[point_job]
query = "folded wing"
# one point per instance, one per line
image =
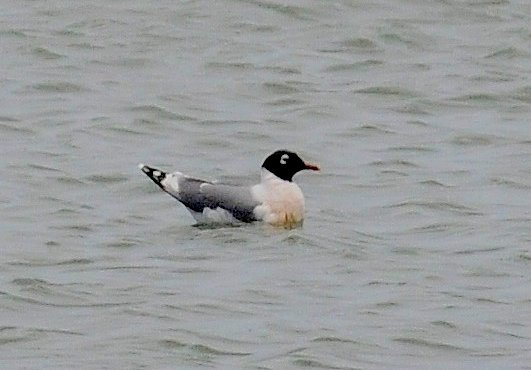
(197, 194)
(237, 200)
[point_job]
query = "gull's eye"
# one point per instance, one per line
(284, 158)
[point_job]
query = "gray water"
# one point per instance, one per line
(415, 251)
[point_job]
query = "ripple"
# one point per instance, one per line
(160, 112)
(54, 331)
(251, 136)
(282, 70)
(418, 109)
(507, 53)
(522, 94)
(312, 363)
(291, 11)
(440, 227)
(428, 343)
(70, 261)
(171, 344)
(69, 33)
(225, 122)
(42, 292)
(13, 334)
(123, 243)
(385, 283)
(469, 250)
(209, 350)
(485, 272)
(78, 228)
(334, 340)
(358, 43)
(507, 334)
(231, 65)
(524, 257)
(132, 62)
(394, 38)
(69, 180)
(145, 122)
(40, 302)
(348, 67)
(75, 261)
(386, 90)
(29, 282)
(394, 173)
(393, 163)
(366, 130)
(252, 27)
(285, 102)
(510, 183)
(387, 304)
(125, 268)
(121, 130)
(85, 46)
(413, 149)
(483, 98)
(44, 53)
(43, 168)
(59, 87)
(438, 206)
(280, 87)
(482, 3)
(15, 33)
(106, 178)
(444, 324)
(434, 183)
(4, 127)
(472, 140)
(297, 239)
(495, 76)
(491, 301)
(8, 119)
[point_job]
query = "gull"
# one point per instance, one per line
(276, 200)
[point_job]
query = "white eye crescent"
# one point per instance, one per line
(284, 158)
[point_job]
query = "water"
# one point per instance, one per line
(415, 249)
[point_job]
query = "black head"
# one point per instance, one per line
(286, 164)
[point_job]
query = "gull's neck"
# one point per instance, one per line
(268, 177)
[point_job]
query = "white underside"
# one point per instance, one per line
(214, 216)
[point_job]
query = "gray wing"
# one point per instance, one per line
(238, 200)
(197, 195)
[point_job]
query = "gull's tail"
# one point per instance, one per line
(154, 174)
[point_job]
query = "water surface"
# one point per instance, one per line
(415, 249)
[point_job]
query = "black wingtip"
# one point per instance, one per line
(154, 174)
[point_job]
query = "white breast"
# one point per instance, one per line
(282, 202)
